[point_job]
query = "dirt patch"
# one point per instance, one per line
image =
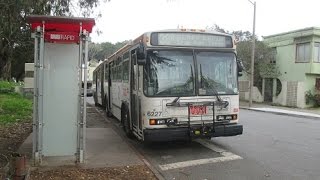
(11, 137)
(71, 173)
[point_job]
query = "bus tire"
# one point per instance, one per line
(108, 112)
(95, 99)
(126, 123)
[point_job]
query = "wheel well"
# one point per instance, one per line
(105, 101)
(123, 110)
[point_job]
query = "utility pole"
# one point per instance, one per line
(252, 52)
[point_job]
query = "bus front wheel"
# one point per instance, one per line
(126, 123)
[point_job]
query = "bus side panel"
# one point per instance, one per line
(116, 101)
(99, 100)
(94, 86)
(106, 84)
(125, 95)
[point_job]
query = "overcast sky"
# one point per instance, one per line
(126, 19)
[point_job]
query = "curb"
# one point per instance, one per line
(282, 113)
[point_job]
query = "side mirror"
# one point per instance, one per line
(240, 67)
(141, 57)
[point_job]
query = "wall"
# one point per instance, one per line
(28, 80)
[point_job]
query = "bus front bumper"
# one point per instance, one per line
(182, 133)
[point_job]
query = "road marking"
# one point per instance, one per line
(226, 156)
(198, 162)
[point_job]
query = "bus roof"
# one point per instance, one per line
(205, 31)
(99, 66)
(142, 38)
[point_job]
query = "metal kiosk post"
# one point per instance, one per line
(60, 61)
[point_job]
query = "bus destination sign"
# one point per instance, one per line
(190, 39)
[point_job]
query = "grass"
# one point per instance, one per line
(13, 106)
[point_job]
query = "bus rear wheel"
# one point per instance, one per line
(126, 123)
(108, 112)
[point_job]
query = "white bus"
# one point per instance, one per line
(173, 85)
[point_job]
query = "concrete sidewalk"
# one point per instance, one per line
(313, 113)
(104, 146)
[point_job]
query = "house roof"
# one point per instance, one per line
(297, 33)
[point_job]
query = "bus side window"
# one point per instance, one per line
(133, 63)
(106, 73)
(120, 72)
(113, 76)
(125, 67)
(125, 75)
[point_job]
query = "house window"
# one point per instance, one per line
(274, 55)
(316, 52)
(303, 52)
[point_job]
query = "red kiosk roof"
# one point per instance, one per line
(61, 29)
(61, 23)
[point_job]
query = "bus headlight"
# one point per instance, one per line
(226, 117)
(163, 121)
(172, 122)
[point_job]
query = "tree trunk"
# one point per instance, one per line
(6, 71)
(5, 65)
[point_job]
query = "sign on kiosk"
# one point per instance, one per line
(66, 37)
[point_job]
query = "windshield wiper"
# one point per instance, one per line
(174, 102)
(220, 101)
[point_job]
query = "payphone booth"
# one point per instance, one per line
(60, 61)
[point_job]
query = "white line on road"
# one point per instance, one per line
(226, 156)
(198, 162)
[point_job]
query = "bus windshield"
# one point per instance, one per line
(217, 73)
(172, 73)
(169, 73)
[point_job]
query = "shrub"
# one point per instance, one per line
(7, 87)
(313, 99)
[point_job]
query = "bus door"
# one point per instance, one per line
(99, 86)
(109, 86)
(135, 94)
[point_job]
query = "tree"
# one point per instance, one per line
(101, 51)
(16, 46)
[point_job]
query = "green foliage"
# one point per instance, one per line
(313, 99)
(16, 45)
(100, 51)
(7, 87)
(268, 70)
(14, 108)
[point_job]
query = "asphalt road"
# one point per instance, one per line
(272, 147)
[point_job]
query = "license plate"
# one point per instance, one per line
(198, 110)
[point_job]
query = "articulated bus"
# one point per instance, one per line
(173, 85)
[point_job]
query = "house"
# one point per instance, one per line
(297, 55)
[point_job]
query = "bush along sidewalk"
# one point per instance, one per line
(313, 98)
(13, 106)
(7, 87)
(15, 125)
